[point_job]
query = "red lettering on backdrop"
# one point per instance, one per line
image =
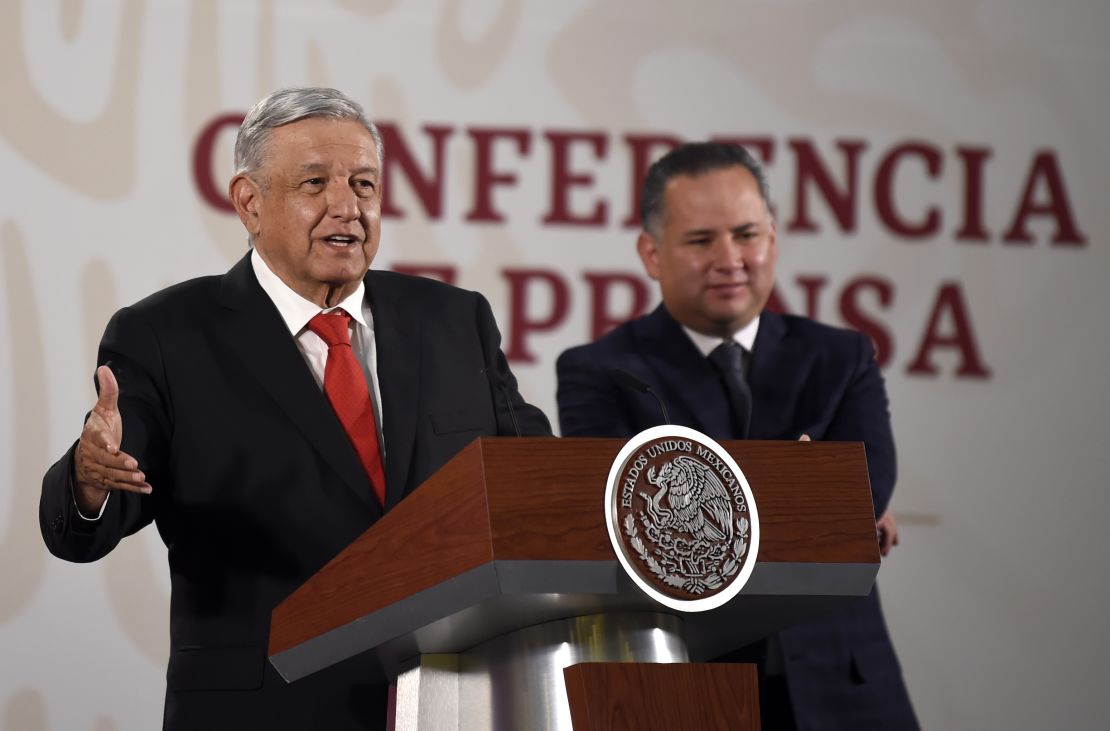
(203, 173)
(812, 287)
(1057, 206)
(1044, 194)
(764, 152)
(399, 157)
(884, 190)
(642, 149)
(562, 179)
(972, 228)
(809, 168)
(602, 319)
(485, 177)
(540, 301)
(949, 301)
(521, 324)
(856, 318)
(775, 302)
(443, 272)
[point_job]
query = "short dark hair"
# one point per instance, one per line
(694, 159)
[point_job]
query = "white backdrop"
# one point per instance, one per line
(910, 149)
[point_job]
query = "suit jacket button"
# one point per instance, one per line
(58, 523)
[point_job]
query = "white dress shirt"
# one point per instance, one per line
(706, 343)
(296, 312)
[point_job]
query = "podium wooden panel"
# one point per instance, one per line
(511, 534)
(617, 696)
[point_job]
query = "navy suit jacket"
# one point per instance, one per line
(255, 484)
(805, 378)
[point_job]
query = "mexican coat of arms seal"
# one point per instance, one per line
(682, 518)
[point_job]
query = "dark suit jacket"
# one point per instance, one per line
(255, 483)
(805, 378)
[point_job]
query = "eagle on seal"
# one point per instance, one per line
(697, 502)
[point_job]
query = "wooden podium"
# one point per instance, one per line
(477, 590)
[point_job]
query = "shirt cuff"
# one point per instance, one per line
(85, 517)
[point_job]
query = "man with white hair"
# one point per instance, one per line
(265, 418)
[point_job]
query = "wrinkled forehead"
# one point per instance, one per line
(322, 141)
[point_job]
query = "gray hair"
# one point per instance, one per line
(286, 106)
(693, 159)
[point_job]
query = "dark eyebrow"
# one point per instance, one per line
(744, 228)
(695, 233)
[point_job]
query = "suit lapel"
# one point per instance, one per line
(255, 332)
(688, 380)
(397, 338)
(779, 366)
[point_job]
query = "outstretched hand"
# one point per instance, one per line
(100, 466)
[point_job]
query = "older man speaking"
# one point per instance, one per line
(265, 418)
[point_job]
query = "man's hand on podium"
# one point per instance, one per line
(887, 529)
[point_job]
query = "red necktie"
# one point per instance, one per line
(345, 387)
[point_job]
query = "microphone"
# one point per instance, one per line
(630, 381)
(509, 403)
(498, 382)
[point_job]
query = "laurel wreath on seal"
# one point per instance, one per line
(695, 585)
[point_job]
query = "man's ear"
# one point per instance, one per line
(648, 249)
(246, 196)
(774, 234)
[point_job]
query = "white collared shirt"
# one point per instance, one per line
(706, 343)
(296, 312)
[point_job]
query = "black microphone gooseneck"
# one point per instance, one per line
(630, 381)
(509, 403)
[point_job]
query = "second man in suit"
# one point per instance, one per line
(728, 368)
